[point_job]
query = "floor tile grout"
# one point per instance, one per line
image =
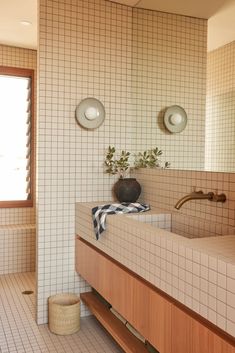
(19, 332)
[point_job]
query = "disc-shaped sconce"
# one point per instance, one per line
(90, 113)
(175, 119)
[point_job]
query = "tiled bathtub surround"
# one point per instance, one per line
(200, 273)
(17, 248)
(220, 109)
(136, 62)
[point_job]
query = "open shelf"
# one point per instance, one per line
(126, 340)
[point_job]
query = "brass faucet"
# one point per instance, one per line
(199, 195)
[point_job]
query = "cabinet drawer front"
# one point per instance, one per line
(167, 325)
(143, 308)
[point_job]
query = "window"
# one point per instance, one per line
(16, 137)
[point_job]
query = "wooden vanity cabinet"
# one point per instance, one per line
(167, 326)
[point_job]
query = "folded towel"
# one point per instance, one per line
(99, 213)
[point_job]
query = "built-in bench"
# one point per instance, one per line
(17, 248)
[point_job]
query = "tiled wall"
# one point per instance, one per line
(220, 109)
(88, 48)
(17, 248)
(84, 50)
(163, 188)
(17, 244)
(169, 68)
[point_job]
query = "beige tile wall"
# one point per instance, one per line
(220, 109)
(163, 188)
(17, 248)
(84, 50)
(169, 68)
(87, 48)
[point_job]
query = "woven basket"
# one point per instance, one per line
(64, 313)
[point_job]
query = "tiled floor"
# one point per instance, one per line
(20, 333)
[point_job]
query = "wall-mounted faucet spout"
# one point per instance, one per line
(199, 195)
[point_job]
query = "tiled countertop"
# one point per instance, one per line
(200, 273)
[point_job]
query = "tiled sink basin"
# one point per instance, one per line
(189, 227)
(162, 221)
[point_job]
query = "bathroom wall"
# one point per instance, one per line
(84, 51)
(17, 248)
(220, 109)
(87, 48)
(163, 188)
(17, 242)
(169, 68)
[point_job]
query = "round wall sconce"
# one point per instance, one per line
(175, 119)
(90, 113)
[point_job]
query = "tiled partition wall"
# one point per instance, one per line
(163, 188)
(84, 51)
(220, 109)
(17, 242)
(88, 48)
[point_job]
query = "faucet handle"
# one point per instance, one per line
(195, 191)
(219, 197)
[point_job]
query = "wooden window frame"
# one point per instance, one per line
(20, 72)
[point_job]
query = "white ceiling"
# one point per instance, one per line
(199, 8)
(221, 15)
(221, 26)
(12, 32)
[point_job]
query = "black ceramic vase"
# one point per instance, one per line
(127, 190)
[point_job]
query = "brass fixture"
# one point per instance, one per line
(199, 195)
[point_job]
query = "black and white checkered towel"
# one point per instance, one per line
(99, 213)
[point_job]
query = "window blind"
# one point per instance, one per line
(15, 136)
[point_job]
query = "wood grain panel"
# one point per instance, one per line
(181, 331)
(115, 327)
(166, 325)
(200, 338)
(159, 323)
(114, 284)
(143, 308)
(218, 345)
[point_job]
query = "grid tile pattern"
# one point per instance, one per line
(84, 50)
(17, 248)
(163, 221)
(200, 273)
(163, 188)
(20, 334)
(169, 68)
(187, 226)
(88, 48)
(220, 109)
